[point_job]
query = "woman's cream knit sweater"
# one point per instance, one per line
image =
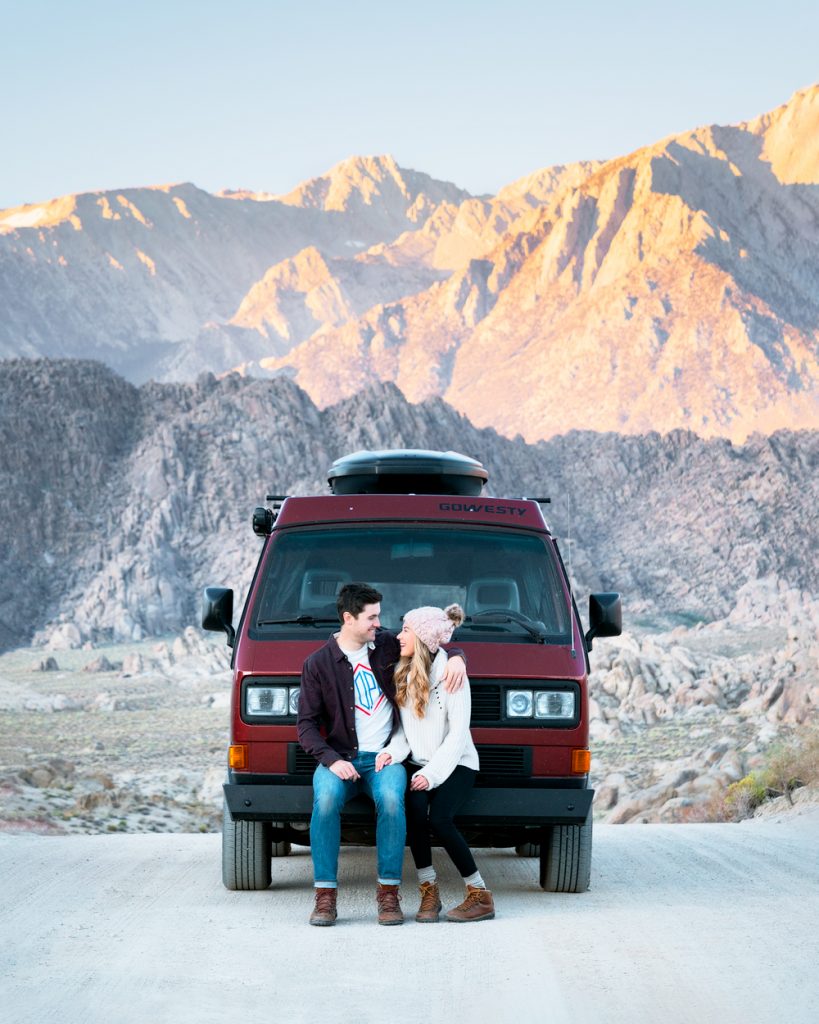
(441, 740)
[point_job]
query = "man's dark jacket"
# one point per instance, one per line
(327, 697)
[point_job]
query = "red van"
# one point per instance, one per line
(416, 526)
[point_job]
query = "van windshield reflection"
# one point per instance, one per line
(506, 581)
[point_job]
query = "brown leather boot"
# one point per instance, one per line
(478, 906)
(324, 912)
(430, 903)
(389, 904)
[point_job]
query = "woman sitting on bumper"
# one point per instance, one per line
(442, 761)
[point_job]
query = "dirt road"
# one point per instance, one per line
(685, 923)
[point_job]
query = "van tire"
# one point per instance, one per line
(528, 849)
(245, 853)
(565, 857)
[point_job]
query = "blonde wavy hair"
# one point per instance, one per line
(412, 679)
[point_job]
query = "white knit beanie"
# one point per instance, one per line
(434, 626)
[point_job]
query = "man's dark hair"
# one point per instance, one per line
(353, 596)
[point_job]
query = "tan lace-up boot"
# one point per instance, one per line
(430, 903)
(324, 912)
(389, 906)
(478, 906)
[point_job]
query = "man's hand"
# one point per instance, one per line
(455, 674)
(419, 782)
(382, 760)
(344, 770)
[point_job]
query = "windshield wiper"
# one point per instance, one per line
(301, 620)
(499, 615)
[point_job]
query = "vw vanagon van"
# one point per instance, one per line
(417, 526)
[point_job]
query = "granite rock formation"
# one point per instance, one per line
(122, 501)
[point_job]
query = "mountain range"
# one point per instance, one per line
(673, 288)
(120, 502)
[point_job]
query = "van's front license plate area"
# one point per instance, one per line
(485, 806)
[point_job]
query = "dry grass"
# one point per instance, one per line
(712, 809)
(794, 764)
(789, 765)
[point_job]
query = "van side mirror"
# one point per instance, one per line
(217, 611)
(605, 617)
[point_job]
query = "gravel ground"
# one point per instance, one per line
(683, 923)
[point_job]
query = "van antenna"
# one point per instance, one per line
(569, 543)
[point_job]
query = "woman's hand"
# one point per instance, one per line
(419, 782)
(382, 760)
(455, 674)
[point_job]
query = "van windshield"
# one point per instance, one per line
(488, 572)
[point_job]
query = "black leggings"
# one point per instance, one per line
(432, 810)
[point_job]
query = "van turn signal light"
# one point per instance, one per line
(237, 755)
(581, 762)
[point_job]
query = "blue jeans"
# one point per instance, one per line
(330, 794)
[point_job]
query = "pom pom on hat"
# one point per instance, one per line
(434, 626)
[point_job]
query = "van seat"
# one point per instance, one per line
(320, 588)
(492, 592)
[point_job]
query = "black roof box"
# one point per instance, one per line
(406, 471)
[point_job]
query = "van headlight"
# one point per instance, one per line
(554, 704)
(548, 705)
(519, 704)
(265, 701)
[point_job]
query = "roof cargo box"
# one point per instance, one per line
(407, 471)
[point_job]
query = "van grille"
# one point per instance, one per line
(486, 703)
(505, 760)
(298, 761)
(494, 760)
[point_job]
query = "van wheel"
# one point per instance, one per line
(528, 849)
(282, 847)
(245, 853)
(565, 857)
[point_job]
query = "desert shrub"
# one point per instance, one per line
(807, 763)
(793, 763)
(782, 771)
(742, 798)
(711, 809)
(788, 766)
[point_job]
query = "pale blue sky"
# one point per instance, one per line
(262, 95)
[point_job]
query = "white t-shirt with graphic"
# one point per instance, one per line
(373, 712)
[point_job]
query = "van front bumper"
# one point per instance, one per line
(486, 805)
